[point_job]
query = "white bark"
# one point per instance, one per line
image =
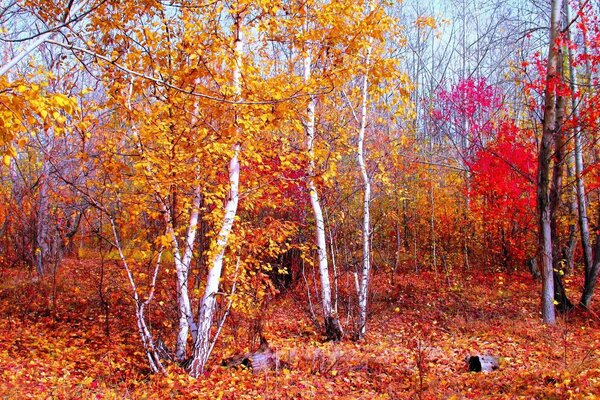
(314, 199)
(182, 261)
(332, 324)
(202, 343)
(578, 154)
(42, 249)
(182, 268)
(205, 316)
(366, 228)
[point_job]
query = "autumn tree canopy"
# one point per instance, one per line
(220, 177)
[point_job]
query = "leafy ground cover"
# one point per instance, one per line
(56, 342)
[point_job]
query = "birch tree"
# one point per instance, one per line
(591, 263)
(363, 292)
(333, 328)
(203, 337)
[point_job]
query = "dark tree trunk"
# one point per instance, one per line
(559, 264)
(534, 269)
(563, 304)
(591, 275)
(333, 328)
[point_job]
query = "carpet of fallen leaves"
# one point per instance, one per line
(58, 343)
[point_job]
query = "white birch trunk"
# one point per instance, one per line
(207, 308)
(202, 343)
(182, 263)
(332, 325)
(182, 268)
(366, 228)
(579, 181)
(41, 246)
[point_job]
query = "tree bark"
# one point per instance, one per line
(591, 277)
(363, 293)
(145, 334)
(560, 296)
(42, 250)
(182, 263)
(543, 176)
(333, 328)
(591, 265)
(182, 268)
(202, 343)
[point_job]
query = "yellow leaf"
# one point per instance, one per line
(6, 160)
(22, 88)
(87, 381)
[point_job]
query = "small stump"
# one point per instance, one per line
(479, 363)
(260, 360)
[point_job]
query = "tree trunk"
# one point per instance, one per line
(333, 328)
(202, 343)
(363, 293)
(543, 176)
(560, 296)
(42, 238)
(182, 263)
(182, 267)
(568, 249)
(591, 277)
(140, 306)
(591, 266)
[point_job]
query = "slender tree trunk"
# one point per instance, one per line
(140, 306)
(591, 266)
(432, 226)
(182, 268)
(569, 248)
(333, 328)
(363, 293)
(332, 246)
(543, 176)
(202, 343)
(182, 263)
(560, 296)
(42, 249)
(591, 278)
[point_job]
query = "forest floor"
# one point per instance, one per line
(418, 337)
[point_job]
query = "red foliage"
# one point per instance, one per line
(503, 186)
(471, 101)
